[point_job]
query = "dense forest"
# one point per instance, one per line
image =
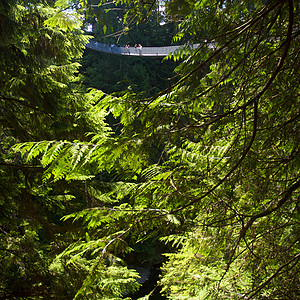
(149, 178)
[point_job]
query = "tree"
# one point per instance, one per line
(40, 99)
(37, 102)
(225, 188)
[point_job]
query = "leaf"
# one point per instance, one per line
(64, 20)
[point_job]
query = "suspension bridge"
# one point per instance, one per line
(140, 51)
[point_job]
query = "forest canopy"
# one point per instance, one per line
(199, 177)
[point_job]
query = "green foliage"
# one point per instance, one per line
(104, 278)
(38, 101)
(64, 21)
(209, 165)
(195, 273)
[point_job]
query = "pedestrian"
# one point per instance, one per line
(112, 46)
(140, 49)
(128, 48)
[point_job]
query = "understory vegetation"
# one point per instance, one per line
(110, 164)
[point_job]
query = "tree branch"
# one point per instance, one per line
(260, 287)
(254, 100)
(24, 103)
(270, 209)
(20, 166)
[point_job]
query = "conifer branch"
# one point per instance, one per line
(261, 286)
(255, 101)
(23, 103)
(21, 166)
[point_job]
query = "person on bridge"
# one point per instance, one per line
(127, 47)
(112, 46)
(140, 47)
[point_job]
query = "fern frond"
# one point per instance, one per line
(65, 21)
(174, 239)
(51, 152)
(63, 159)
(30, 150)
(198, 154)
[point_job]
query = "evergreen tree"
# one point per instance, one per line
(40, 99)
(36, 101)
